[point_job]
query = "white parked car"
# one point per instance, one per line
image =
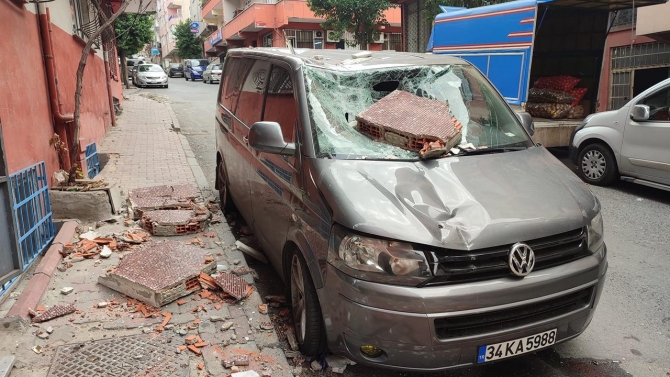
(632, 143)
(212, 74)
(151, 75)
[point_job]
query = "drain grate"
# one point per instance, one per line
(132, 356)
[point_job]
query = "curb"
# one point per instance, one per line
(39, 281)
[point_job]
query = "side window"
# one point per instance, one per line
(280, 105)
(235, 72)
(659, 105)
(250, 104)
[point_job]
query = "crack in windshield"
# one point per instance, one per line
(336, 96)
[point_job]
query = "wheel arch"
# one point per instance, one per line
(594, 140)
(297, 241)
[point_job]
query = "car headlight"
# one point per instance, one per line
(377, 260)
(596, 232)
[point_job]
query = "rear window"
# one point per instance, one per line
(199, 62)
(175, 65)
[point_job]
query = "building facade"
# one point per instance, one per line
(271, 23)
(41, 46)
(169, 13)
(637, 54)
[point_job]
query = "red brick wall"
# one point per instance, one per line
(25, 111)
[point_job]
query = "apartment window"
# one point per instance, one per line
(267, 40)
(85, 20)
(301, 38)
(392, 41)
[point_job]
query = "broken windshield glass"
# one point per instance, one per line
(338, 96)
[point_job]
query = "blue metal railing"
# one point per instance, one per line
(92, 162)
(5, 287)
(32, 211)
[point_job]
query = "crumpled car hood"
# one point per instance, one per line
(458, 202)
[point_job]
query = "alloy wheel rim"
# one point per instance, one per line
(298, 298)
(594, 165)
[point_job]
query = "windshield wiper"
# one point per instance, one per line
(473, 152)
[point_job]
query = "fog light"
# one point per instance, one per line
(371, 351)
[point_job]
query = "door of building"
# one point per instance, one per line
(9, 256)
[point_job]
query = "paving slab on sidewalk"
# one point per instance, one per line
(143, 149)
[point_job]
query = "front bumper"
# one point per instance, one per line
(157, 82)
(195, 75)
(402, 320)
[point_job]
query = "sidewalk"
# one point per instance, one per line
(108, 334)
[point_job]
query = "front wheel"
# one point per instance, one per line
(597, 165)
(226, 201)
(307, 317)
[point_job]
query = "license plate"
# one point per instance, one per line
(516, 347)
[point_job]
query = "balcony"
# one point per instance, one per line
(652, 21)
(253, 19)
(212, 11)
(174, 4)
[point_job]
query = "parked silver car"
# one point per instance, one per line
(489, 251)
(151, 75)
(212, 74)
(632, 143)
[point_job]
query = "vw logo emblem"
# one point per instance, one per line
(521, 259)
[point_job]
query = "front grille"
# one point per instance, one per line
(484, 323)
(153, 77)
(459, 266)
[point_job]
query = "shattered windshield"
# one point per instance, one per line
(402, 112)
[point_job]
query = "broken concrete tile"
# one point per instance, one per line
(66, 290)
(227, 326)
(159, 274)
(292, 341)
(6, 365)
(49, 330)
(233, 285)
(106, 252)
(240, 360)
(54, 312)
(174, 222)
(338, 363)
(216, 318)
(102, 304)
(43, 335)
(316, 366)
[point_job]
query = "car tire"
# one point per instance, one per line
(305, 307)
(596, 165)
(225, 200)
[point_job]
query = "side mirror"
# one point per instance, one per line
(640, 113)
(267, 137)
(527, 122)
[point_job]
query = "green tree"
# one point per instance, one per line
(133, 32)
(359, 17)
(188, 44)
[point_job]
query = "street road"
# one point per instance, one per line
(630, 333)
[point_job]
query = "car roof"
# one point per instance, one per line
(349, 60)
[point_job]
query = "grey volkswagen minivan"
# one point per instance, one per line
(395, 257)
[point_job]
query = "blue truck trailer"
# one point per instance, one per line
(517, 42)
